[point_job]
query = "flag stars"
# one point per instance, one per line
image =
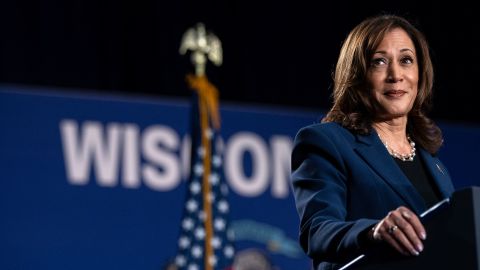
(216, 161)
(224, 189)
(202, 216)
(222, 206)
(209, 133)
(180, 261)
(211, 197)
(184, 242)
(219, 224)
(212, 260)
(193, 266)
(214, 179)
(216, 242)
(198, 169)
(201, 151)
(199, 233)
(206, 191)
(195, 187)
(192, 205)
(187, 224)
(228, 251)
(197, 252)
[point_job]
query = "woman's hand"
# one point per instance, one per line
(401, 229)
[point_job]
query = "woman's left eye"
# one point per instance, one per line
(407, 60)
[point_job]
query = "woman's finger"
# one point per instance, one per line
(406, 234)
(414, 221)
(402, 239)
(403, 230)
(387, 237)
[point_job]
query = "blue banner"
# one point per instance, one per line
(98, 182)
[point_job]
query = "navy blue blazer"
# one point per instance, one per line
(344, 183)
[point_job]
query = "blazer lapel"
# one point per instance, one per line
(372, 150)
(438, 173)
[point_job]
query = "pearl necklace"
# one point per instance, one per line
(402, 157)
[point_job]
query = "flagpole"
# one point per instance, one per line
(207, 206)
(202, 45)
(209, 119)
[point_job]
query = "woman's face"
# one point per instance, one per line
(392, 75)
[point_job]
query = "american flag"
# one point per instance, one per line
(205, 241)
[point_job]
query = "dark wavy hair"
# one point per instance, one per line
(352, 100)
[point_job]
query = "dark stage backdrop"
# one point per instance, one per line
(275, 52)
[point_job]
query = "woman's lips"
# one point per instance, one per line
(394, 93)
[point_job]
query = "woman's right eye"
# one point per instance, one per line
(378, 61)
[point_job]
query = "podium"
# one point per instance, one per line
(453, 239)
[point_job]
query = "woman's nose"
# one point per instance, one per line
(394, 73)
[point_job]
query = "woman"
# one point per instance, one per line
(369, 169)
